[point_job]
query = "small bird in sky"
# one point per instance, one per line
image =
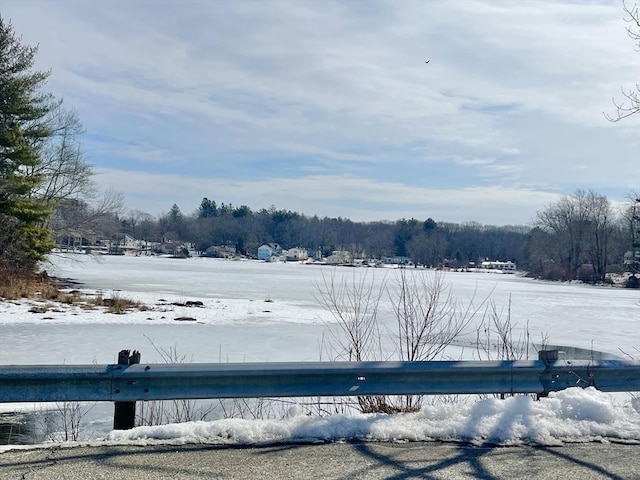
(427, 61)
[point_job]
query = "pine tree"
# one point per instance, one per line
(208, 208)
(24, 128)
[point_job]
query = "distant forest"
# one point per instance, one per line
(579, 237)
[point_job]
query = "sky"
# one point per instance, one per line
(330, 109)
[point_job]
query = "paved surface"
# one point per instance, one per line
(365, 460)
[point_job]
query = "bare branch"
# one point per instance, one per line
(631, 105)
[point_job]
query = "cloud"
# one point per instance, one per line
(332, 196)
(265, 95)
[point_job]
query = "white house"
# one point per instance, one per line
(297, 254)
(339, 257)
(130, 243)
(267, 250)
(501, 266)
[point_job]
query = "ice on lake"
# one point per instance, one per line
(257, 312)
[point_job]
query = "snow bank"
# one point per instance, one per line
(573, 415)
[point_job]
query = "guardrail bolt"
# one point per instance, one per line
(124, 416)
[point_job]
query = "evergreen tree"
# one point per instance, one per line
(24, 128)
(207, 209)
(175, 224)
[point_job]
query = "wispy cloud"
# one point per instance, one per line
(333, 196)
(510, 102)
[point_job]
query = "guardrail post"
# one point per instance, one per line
(124, 416)
(548, 357)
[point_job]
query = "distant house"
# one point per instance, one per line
(71, 240)
(268, 250)
(500, 266)
(632, 257)
(165, 248)
(130, 243)
(339, 257)
(397, 260)
(175, 249)
(297, 254)
(218, 251)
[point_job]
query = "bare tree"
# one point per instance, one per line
(564, 221)
(630, 105)
(428, 317)
(157, 412)
(135, 217)
(497, 337)
(65, 180)
(601, 225)
(64, 171)
(79, 218)
(631, 220)
(428, 320)
(63, 422)
(354, 306)
(581, 225)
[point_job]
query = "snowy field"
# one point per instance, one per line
(254, 311)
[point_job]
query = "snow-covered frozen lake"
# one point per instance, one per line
(255, 311)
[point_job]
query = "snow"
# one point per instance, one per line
(574, 415)
(254, 311)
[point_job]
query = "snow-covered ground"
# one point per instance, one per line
(254, 311)
(567, 416)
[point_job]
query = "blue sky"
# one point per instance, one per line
(329, 108)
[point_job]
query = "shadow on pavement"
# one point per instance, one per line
(358, 460)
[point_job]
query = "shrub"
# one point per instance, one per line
(117, 304)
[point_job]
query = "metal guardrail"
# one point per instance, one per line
(113, 383)
(124, 383)
(198, 381)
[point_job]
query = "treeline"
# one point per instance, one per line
(579, 237)
(425, 242)
(582, 237)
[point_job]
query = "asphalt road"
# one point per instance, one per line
(363, 460)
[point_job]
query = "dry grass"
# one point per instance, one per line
(16, 285)
(117, 304)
